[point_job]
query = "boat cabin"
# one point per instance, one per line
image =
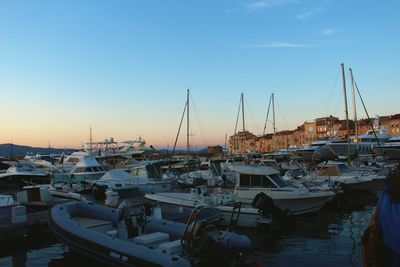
(250, 176)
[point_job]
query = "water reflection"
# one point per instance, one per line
(328, 238)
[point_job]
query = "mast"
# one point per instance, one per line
(244, 134)
(273, 112)
(90, 140)
(346, 111)
(188, 122)
(354, 106)
(226, 140)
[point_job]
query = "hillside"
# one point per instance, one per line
(20, 151)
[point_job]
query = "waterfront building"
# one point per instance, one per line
(324, 128)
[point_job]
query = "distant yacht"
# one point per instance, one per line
(365, 144)
(314, 151)
(111, 148)
(21, 173)
(391, 149)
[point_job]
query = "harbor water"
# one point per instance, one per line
(328, 238)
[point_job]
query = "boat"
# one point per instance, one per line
(351, 178)
(361, 146)
(391, 149)
(21, 173)
(293, 200)
(12, 218)
(110, 148)
(250, 217)
(42, 197)
(86, 169)
(127, 237)
(127, 185)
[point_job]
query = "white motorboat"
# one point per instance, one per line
(200, 196)
(316, 151)
(21, 173)
(364, 144)
(349, 178)
(127, 185)
(111, 148)
(86, 169)
(199, 177)
(253, 179)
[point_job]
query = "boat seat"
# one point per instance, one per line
(152, 240)
(112, 232)
(90, 223)
(171, 247)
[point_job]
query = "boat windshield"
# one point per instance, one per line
(278, 180)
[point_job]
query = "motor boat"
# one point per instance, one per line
(42, 197)
(127, 185)
(201, 196)
(127, 237)
(350, 178)
(292, 199)
(21, 173)
(391, 149)
(12, 218)
(86, 169)
(362, 146)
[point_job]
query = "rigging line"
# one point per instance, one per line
(333, 89)
(369, 120)
(266, 119)
(237, 117)
(179, 129)
(339, 104)
(283, 115)
(252, 115)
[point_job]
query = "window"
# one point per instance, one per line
(245, 180)
(88, 169)
(278, 180)
(266, 182)
(256, 180)
(79, 169)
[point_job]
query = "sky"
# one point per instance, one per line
(123, 67)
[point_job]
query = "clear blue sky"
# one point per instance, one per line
(123, 67)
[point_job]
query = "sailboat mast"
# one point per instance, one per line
(243, 112)
(273, 112)
(226, 141)
(244, 134)
(90, 140)
(188, 122)
(346, 111)
(354, 106)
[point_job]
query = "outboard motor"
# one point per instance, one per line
(265, 204)
(206, 245)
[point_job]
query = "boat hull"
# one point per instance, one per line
(292, 204)
(342, 149)
(20, 180)
(248, 217)
(388, 152)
